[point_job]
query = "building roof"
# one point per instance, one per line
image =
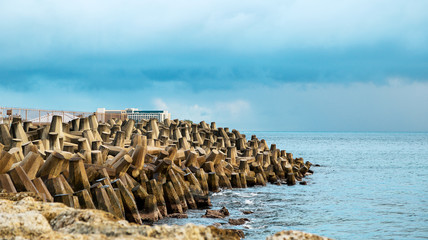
(148, 111)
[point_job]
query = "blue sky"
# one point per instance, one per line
(253, 65)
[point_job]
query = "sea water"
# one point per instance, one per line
(368, 186)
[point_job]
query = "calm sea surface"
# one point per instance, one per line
(369, 186)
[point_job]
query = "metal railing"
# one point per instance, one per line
(41, 117)
(38, 116)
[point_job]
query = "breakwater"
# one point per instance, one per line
(141, 172)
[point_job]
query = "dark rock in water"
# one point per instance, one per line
(238, 221)
(317, 165)
(303, 183)
(278, 183)
(224, 211)
(247, 212)
(178, 215)
(213, 214)
(216, 213)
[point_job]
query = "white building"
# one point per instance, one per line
(132, 113)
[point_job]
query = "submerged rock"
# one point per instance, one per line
(247, 212)
(238, 221)
(216, 213)
(178, 215)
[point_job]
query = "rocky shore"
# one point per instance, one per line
(31, 219)
(23, 217)
(139, 172)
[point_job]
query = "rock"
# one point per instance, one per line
(29, 219)
(29, 224)
(317, 165)
(238, 221)
(295, 235)
(223, 233)
(239, 232)
(216, 213)
(178, 215)
(19, 196)
(224, 211)
(303, 183)
(247, 212)
(213, 214)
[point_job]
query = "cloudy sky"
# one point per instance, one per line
(291, 65)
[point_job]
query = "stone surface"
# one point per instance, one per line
(29, 224)
(216, 213)
(247, 212)
(238, 221)
(295, 235)
(178, 215)
(29, 219)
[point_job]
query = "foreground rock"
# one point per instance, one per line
(27, 218)
(30, 219)
(295, 235)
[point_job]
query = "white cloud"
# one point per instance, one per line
(194, 112)
(233, 110)
(160, 104)
(230, 112)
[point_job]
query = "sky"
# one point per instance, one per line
(289, 65)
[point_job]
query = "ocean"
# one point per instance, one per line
(370, 185)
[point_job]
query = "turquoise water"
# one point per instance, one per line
(369, 186)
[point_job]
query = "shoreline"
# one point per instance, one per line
(22, 216)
